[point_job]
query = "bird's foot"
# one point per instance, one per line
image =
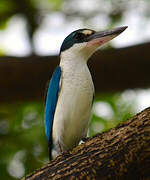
(83, 140)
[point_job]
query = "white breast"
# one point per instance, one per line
(73, 110)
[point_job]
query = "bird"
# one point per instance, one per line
(70, 92)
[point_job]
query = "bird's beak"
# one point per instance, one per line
(99, 38)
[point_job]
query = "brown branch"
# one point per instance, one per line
(112, 70)
(121, 153)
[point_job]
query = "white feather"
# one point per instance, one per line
(73, 110)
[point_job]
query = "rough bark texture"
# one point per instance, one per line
(121, 153)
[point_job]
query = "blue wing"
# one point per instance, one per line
(51, 101)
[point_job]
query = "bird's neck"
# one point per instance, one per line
(68, 60)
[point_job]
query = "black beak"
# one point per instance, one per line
(102, 34)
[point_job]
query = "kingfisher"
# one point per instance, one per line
(70, 91)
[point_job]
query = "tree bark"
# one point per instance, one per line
(121, 153)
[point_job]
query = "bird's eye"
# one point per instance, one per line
(79, 36)
(83, 35)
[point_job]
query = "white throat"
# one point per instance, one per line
(77, 54)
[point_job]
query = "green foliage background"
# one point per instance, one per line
(22, 136)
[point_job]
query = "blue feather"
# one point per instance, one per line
(51, 101)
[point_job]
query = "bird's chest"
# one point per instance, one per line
(77, 86)
(73, 109)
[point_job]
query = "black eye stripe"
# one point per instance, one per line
(79, 36)
(82, 36)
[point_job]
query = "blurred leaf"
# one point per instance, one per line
(56, 4)
(6, 6)
(3, 24)
(2, 52)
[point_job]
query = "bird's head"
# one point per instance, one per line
(83, 43)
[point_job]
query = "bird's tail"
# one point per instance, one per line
(50, 153)
(50, 147)
(53, 151)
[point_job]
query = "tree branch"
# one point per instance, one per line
(24, 79)
(121, 153)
